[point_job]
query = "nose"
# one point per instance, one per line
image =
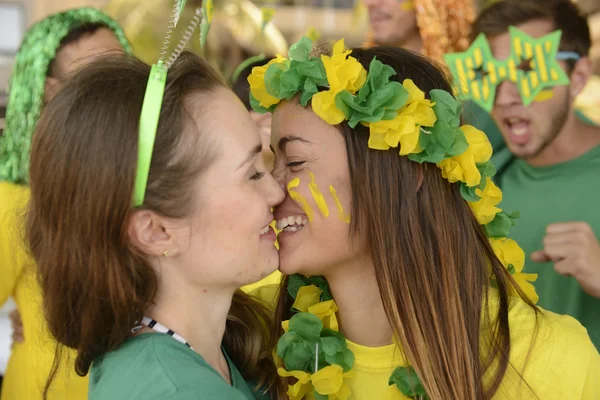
(276, 191)
(507, 94)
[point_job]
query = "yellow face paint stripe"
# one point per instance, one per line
(300, 199)
(318, 196)
(478, 57)
(544, 95)
(341, 214)
(475, 92)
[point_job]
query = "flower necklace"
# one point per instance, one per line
(314, 351)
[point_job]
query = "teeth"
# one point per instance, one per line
(519, 131)
(265, 230)
(293, 221)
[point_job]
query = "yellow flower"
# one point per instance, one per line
(405, 128)
(326, 312)
(298, 390)
(328, 380)
(323, 104)
(257, 83)
(524, 282)
(306, 297)
(463, 167)
(485, 209)
(343, 73)
(509, 253)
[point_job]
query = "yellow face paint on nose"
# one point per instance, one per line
(341, 214)
(300, 199)
(318, 196)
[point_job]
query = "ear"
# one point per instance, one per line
(150, 234)
(51, 88)
(581, 74)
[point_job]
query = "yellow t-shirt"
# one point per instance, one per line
(563, 363)
(30, 361)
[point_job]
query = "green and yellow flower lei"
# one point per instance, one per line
(398, 116)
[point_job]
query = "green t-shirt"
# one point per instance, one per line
(565, 192)
(156, 366)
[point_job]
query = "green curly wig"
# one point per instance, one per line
(28, 80)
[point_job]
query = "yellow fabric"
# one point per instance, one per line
(562, 363)
(30, 362)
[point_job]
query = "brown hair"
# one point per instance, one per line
(434, 265)
(564, 15)
(95, 283)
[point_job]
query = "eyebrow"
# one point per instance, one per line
(255, 150)
(288, 139)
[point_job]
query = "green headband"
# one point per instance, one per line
(532, 65)
(28, 81)
(155, 90)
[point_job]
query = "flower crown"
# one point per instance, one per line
(398, 116)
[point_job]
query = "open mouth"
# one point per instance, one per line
(292, 223)
(519, 129)
(265, 230)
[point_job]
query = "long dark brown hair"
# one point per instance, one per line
(95, 283)
(434, 263)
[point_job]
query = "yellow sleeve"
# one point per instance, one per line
(13, 255)
(591, 387)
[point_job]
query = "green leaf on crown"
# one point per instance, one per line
(408, 382)
(301, 49)
(258, 108)
(445, 139)
(446, 107)
(501, 224)
(378, 99)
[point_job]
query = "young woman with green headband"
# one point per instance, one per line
(50, 51)
(402, 279)
(143, 229)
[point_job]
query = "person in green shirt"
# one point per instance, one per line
(147, 291)
(552, 162)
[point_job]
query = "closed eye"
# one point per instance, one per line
(257, 176)
(294, 163)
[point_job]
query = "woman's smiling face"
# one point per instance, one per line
(311, 162)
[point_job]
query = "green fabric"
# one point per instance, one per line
(28, 79)
(566, 192)
(156, 366)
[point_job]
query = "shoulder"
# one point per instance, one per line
(13, 198)
(552, 352)
(267, 290)
(155, 366)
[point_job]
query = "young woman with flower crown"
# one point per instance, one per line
(402, 281)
